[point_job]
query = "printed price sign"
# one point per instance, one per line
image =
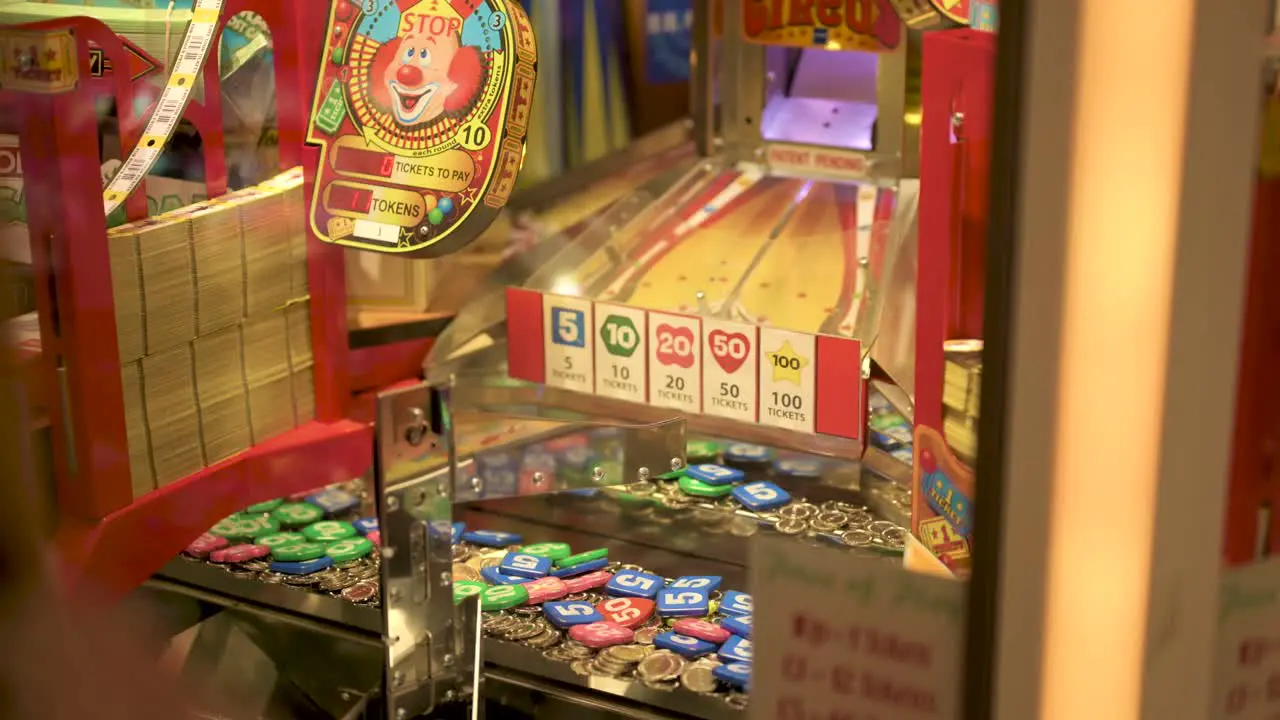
(569, 343)
(1247, 663)
(620, 352)
(729, 371)
(787, 379)
(675, 371)
(420, 112)
(851, 632)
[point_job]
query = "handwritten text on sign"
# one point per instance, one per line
(1247, 667)
(851, 638)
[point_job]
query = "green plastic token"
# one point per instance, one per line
(698, 452)
(297, 552)
(582, 557)
(352, 548)
(238, 526)
(501, 597)
(553, 550)
(673, 475)
(278, 539)
(264, 507)
(329, 531)
(697, 488)
(297, 514)
(463, 589)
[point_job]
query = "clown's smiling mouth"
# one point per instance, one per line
(409, 101)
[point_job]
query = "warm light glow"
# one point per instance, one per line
(1126, 168)
(566, 285)
(912, 118)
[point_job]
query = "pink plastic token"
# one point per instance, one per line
(545, 589)
(701, 629)
(583, 583)
(205, 544)
(629, 612)
(601, 634)
(239, 553)
(375, 537)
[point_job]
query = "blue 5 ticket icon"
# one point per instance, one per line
(568, 327)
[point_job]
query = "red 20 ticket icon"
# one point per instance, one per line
(675, 346)
(729, 349)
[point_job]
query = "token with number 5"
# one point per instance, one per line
(705, 583)
(760, 496)
(739, 625)
(601, 634)
(690, 647)
(735, 649)
(735, 602)
(737, 674)
(715, 474)
(567, 613)
(632, 583)
(626, 611)
(523, 565)
(676, 602)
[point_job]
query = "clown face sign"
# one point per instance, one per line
(420, 112)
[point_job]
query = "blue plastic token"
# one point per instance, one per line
(302, 567)
(456, 534)
(567, 613)
(901, 433)
(798, 468)
(737, 674)
(715, 474)
(581, 568)
(632, 583)
(525, 566)
(334, 501)
(883, 441)
(705, 583)
(491, 538)
(675, 602)
(904, 454)
(364, 526)
(735, 649)
(759, 496)
(735, 603)
(686, 645)
(494, 576)
(745, 452)
(739, 625)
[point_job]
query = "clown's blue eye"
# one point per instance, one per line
(409, 53)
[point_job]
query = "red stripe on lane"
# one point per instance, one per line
(525, 357)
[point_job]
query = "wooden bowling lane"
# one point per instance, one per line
(800, 279)
(712, 258)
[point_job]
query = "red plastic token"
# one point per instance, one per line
(205, 544)
(375, 537)
(545, 589)
(239, 553)
(591, 580)
(601, 634)
(701, 629)
(629, 612)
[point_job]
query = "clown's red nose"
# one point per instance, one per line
(410, 75)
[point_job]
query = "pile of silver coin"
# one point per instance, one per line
(356, 581)
(838, 522)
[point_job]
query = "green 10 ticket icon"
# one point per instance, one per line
(620, 352)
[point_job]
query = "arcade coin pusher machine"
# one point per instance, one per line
(557, 519)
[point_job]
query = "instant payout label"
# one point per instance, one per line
(675, 363)
(787, 371)
(730, 370)
(621, 342)
(569, 343)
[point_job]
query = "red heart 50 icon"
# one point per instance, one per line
(729, 349)
(675, 346)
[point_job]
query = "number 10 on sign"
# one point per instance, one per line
(621, 352)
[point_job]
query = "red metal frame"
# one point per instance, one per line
(106, 539)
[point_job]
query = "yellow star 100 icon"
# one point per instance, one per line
(787, 364)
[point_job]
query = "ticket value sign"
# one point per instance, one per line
(675, 362)
(569, 344)
(621, 352)
(851, 637)
(420, 112)
(787, 372)
(866, 25)
(1247, 663)
(729, 370)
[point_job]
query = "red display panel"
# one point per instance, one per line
(346, 197)
(364, 162)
